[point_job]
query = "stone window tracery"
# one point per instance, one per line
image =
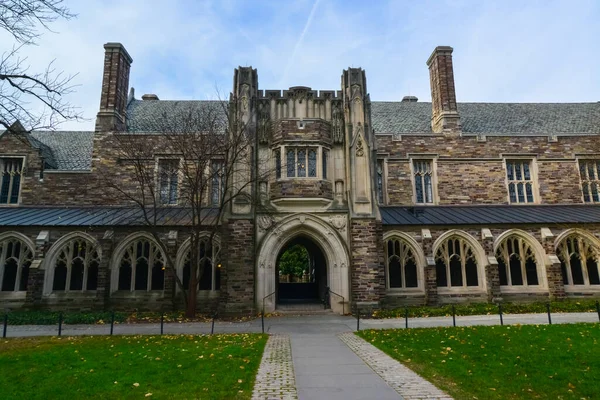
(423, 178)
(520, 181)
(456, 265)
(168, 180)
(11, 171)
(401, 264)
(302, 162)
(141, 267)
(208, 270)
(380, 189)
(589, 171)
(217, 171)
(277, 156)
(76, 267)
(517, 264)
(15, 259)
(579, 261)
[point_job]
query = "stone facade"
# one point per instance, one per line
(365, 167)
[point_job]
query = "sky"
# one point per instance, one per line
(508, 51)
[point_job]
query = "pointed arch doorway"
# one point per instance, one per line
(301, 273)
(304, 228)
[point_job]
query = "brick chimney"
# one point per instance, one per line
(444, 113)
(115, 84)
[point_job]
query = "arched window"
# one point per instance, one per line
(456, 265)
(208, 272)
(517, 265)
(141, 266)
(401, 264)
(76, 267)
(15, 259)
(579, 261)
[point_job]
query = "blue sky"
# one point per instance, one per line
(504, 51)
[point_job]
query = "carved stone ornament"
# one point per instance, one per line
(264, 222)
(245, 96)
(338, 221)
(264, 127)
(302, 219)
(337, 126)
(359, 148)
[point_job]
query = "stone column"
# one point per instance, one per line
(104, 278)
(238, 266)
(431, 293)
(556, 286)
(492, 275)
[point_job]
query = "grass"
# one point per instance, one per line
(489, 309)
(189, 366)
(492, 362)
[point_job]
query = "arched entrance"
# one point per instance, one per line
(313, 231)
(301, 273)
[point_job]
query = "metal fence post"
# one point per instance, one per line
(60, 321)
(405, 317)
(112, 322)
(212, 328)
(500, 311)
(549, 317)
(598, 309)
(6, 323)
(262, 320)
(453, 315)
(357, 319)
(162, 322)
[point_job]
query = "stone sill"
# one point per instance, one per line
(523, 290)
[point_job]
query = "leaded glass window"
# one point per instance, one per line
(208, 271)
(520, 181)
(291, 163)
(277, 156)
(168, 179)
(456, 265)
(401, 265)
(15, 259)
(11, 170)
(325, 161)
(217, 176)
(141, 267)
(423, 176)
(76, 267)
(380, 181)
(589, 171)
(312, 162)
(579, 261)
(517, 265)
(301, 163)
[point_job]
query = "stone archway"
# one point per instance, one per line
(324, 236)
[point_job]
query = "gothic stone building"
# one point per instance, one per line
(404, 202)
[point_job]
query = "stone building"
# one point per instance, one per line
(405, 202)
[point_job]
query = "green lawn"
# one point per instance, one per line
(163, 367)
(493, 362)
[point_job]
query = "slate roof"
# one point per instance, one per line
(486, 215)
(173, 116)
(492, 118)
(70, 150)
(90, 216)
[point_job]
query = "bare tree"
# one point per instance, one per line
(35, 99)
(189, 174)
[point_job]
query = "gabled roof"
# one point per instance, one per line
(492, 214)
(173, 116)
(492, 118)
(70, 150)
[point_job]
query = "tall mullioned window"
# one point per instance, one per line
(579, 261)
(301, 163)
(520, 181)
(208, 272)
(277, 156)
(217, 171)
(423, 176)
(325, 161)
(168, 180)
(11, 171)
(456, 265)
(380, 197)
(517, 265)
(589, 170)
(141, 267)
(76, 267)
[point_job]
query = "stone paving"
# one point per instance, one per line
(404, 381)
(275, 377)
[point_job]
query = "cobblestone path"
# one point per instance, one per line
(275, 377)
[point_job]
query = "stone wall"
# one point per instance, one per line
(314, 130)
(367, 268)
(301, 188)
(471, 171)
